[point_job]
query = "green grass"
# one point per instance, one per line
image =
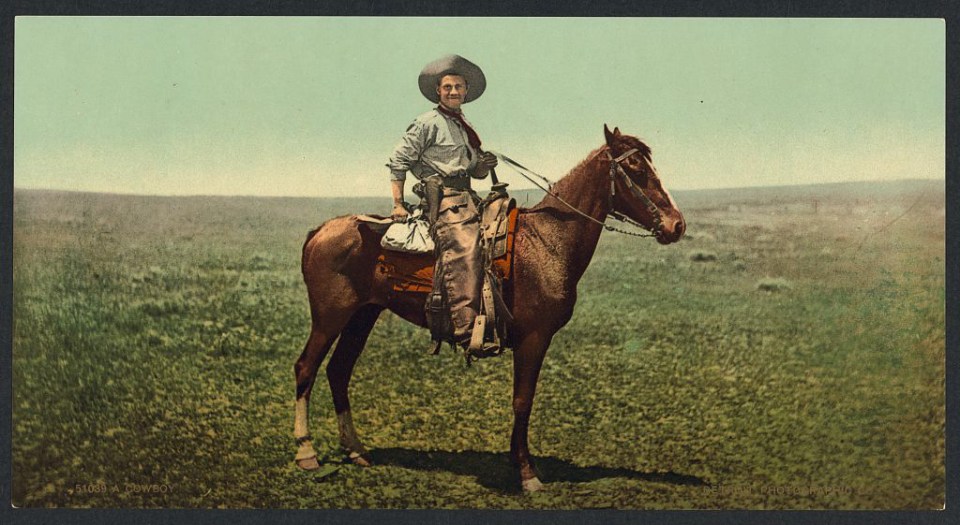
(154, 341)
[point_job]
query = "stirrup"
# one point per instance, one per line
(478, 348)
(489, 349)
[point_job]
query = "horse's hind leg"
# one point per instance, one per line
(340, 369)
(318, 344)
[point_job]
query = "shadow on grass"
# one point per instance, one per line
(495, 471)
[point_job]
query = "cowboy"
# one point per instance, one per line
(442, 150)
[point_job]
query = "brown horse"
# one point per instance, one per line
(554, 244)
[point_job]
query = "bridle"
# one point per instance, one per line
(616, 169)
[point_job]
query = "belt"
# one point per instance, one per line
(460, 181)
(457, 183)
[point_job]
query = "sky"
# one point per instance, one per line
(287, 106)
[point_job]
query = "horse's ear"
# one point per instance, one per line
(610, 136)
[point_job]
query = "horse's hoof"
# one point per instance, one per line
(360, 460)
(531, 485)
(308, 463)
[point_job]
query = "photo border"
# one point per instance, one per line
(606, 8)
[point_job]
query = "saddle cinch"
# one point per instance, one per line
(413, 272)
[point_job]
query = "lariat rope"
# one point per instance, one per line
(523, 171)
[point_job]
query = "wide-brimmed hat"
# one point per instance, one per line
(452, 65)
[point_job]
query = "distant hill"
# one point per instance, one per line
(907, 190)
(78, 206)
(845, 191)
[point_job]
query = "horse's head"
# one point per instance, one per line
(637, 191)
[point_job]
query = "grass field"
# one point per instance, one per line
(788, 354)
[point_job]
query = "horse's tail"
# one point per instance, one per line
(303, 250)
(313, 233)
(310, 235)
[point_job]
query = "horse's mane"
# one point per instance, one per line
(561, 187)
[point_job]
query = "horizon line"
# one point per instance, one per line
(386, 195)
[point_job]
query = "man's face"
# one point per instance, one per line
(452, 91)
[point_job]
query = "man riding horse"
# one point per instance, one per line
(553, 244)
(442, 150)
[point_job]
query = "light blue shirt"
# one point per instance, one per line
(434, 142)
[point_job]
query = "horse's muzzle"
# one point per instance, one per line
(672, 231)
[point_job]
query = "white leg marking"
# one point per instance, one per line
(532, 485)
(306, 455)
(300, 428)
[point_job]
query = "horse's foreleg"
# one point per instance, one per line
(340, 369)
(305, 370)
(527, 360)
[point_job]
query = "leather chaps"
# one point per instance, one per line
(454, 303)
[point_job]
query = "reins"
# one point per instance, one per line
(615, 169)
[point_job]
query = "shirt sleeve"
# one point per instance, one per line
(408, 150)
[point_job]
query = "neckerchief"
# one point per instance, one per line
(472, 136)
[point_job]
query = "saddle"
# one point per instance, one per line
(413, 272)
